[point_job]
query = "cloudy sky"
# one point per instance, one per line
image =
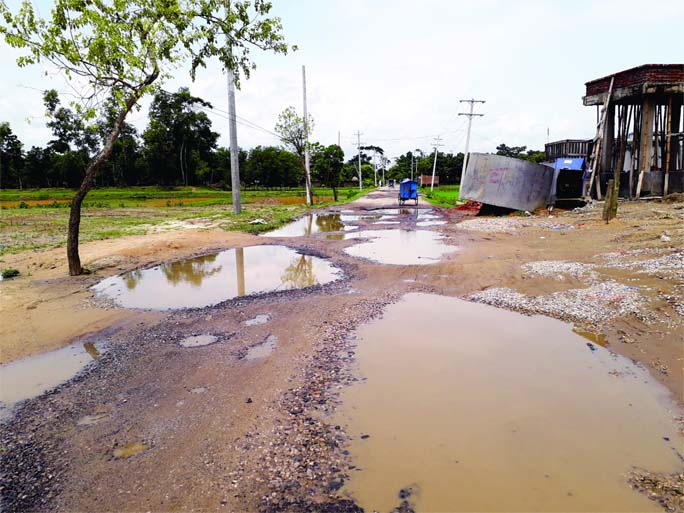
(395, 70)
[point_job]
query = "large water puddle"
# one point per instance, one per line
(210, 279)
(480, 409)
(311, 223)
(30, 377)
(399, 247)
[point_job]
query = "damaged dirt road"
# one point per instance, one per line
(235, 406)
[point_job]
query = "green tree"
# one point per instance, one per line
(328, 163)
(179, 142)
(292, 131)
(521, 152)
(124, 49)
(269, 166)
(11, 157)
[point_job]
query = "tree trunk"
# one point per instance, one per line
(73, 257)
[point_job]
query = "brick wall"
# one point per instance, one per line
(651, 73)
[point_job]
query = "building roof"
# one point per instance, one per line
(645, 79)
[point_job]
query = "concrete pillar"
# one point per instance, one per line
(675, 121)
(608, 140)
(647, 135)
(646, 156)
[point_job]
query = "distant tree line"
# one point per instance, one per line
(178, 147)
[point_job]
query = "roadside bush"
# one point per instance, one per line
(23, 204)
(9, 273)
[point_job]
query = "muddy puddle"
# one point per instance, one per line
(210, 279)
(263, 349)
(399, 247)
(404, 211)
(481, 409)
(30, 377)
(310, 224)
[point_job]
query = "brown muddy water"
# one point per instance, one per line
(211, 279)
(399, 247)
(481, 409)
(30, 377)
(310, 224)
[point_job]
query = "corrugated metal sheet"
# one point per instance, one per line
(506, 182)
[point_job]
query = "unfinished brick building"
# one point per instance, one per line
(641, 132)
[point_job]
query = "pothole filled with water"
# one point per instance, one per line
(312, 223)
(431, 223)
(399, 247)
(30, 377)
(258, 320)
(211, 279)
(490, 410)
(263, 349)
(198, 340)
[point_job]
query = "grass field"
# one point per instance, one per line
(443, 196)
(41, 221)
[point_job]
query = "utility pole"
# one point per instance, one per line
(470, 115)
(434, 164)
(307, 171)
(358, 147)
(234, 150)
(375, 169)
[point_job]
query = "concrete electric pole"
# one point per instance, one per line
(234, 150)
(470, 115)
(307, 170)
(358, 147)
(434, 164)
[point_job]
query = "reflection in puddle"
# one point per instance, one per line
(399, 247)
(263, 349)
(198, 340)
(210, 279)
(596, 338)
(30, 377)
(489, 410)
(129, 450)
(309, 224)
(258, 320)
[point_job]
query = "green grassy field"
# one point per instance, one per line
(41, 223)
(443, 196)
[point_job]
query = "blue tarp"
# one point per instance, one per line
(576, 164)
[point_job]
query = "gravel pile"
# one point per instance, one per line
(665, 489)
(669, 265)
(596, 304)
(559, 269)
(494, 224)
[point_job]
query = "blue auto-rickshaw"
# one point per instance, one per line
(408, 190)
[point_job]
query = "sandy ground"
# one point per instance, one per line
(224, 433)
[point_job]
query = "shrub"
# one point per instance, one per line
(9, 273)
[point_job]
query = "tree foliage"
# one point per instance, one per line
(327, 166)
(124, 49)
(290, 128)
(520, 152)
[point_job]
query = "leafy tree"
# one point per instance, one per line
(270, 167)
(124, 49)
(520, 152)
(292, 130)
(328, 163)
(179, 141)
(11, 157)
